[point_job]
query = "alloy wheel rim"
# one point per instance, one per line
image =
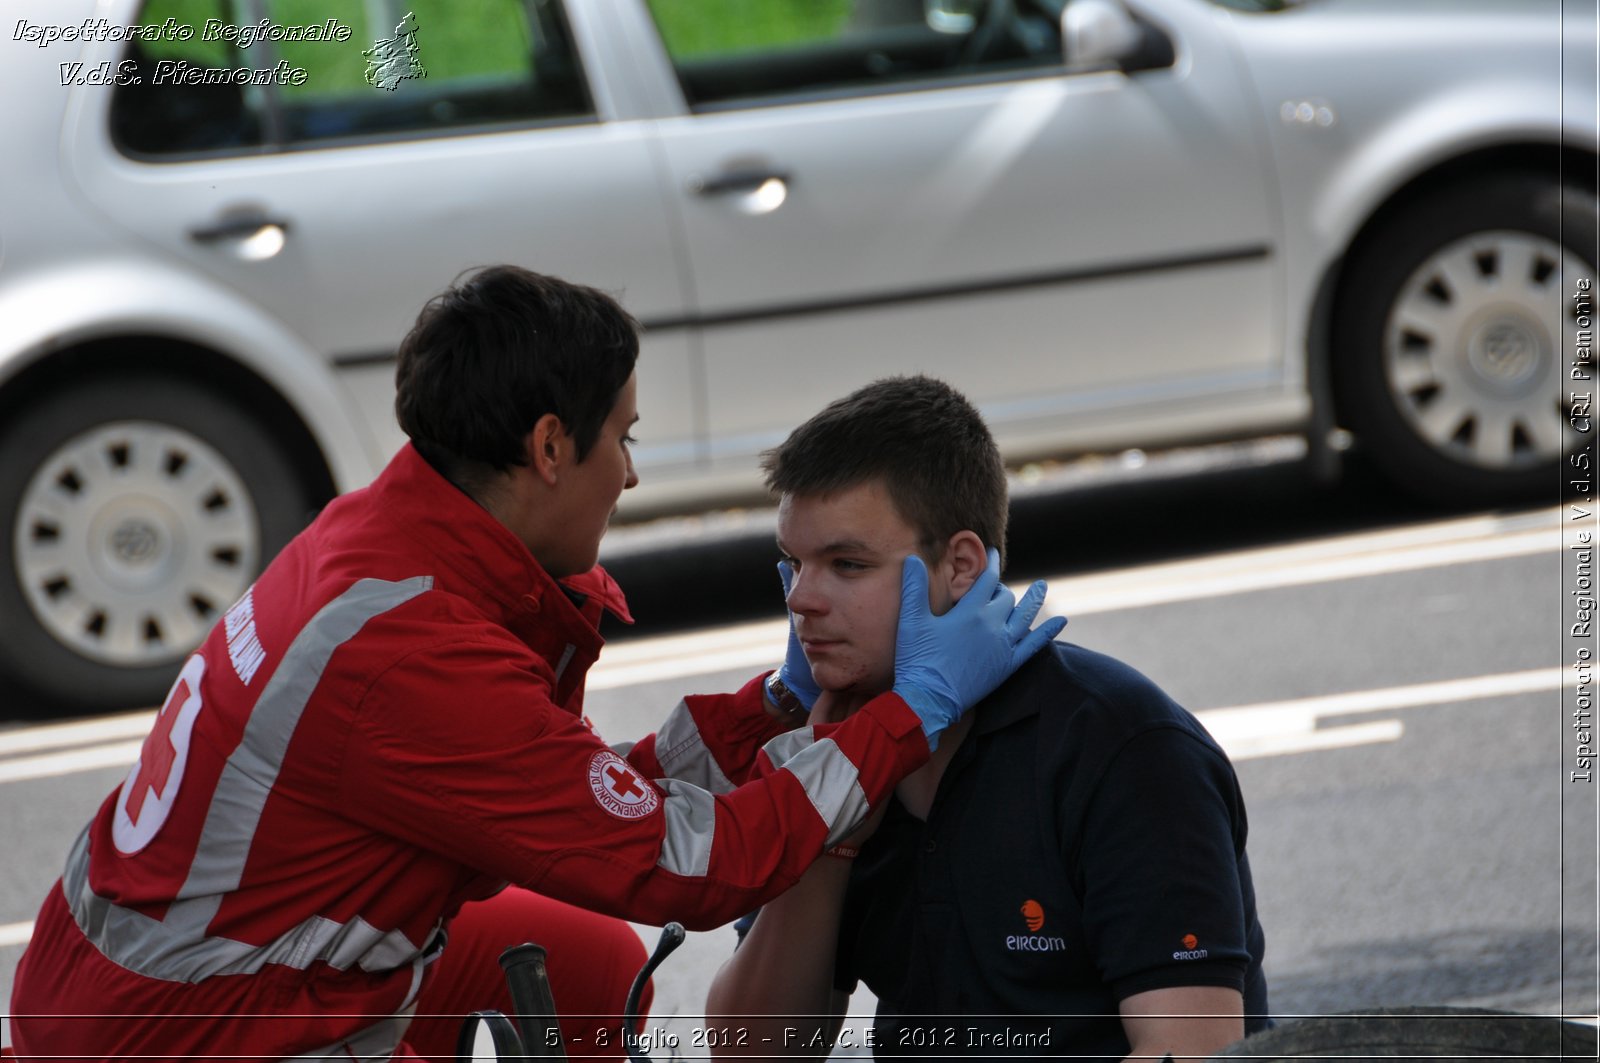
(1472, 348)
(130, 539)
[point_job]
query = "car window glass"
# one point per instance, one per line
(739, 51)
(209, 76)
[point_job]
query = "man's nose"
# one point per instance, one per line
(632, 479)
(803, 596)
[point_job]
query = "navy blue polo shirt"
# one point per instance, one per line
(1087, 842)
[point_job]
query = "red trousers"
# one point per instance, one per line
(591, 962)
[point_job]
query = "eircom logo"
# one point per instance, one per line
(1191, 949)
(1033, 914)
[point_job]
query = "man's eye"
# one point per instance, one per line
(845, 565)
(629, 440)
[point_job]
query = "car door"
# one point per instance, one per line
(406, 144)
(925, 185)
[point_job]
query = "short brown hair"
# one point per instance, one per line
(921, 436)
(497, 350)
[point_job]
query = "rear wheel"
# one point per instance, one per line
(136, 511)
(1451, 335)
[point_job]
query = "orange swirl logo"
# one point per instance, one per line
(1190, 942)
(1033, 912)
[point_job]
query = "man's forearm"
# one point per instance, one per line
(778, 985)
(1186, 1022)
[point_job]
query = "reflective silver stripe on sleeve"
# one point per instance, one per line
(831, 781)
(782, 749)
(691, 828)
(683, 753)
(177, 947)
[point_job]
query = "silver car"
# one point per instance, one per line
(1112, 222)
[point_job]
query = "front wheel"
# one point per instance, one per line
(133, 512)
(1452, 334)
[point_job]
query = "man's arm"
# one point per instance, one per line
(711, 741)
(1191, 1023)
(777, 987)
(1165, 905)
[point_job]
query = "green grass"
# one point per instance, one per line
(480, 38)
(701, 27)
(455, 38)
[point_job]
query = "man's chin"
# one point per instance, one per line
(858, 689)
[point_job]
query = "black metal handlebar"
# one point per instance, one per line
(531, 1001)
(537, 1034)
(672, 936)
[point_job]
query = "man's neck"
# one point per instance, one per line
(916, 791)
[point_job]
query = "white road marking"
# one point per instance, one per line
(1504, 684)
(89, 758)
(1275, 728)
(757, 645)
(61, 735)
(1278, 745)
(15, 933)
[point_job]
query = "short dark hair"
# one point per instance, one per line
(922, 438)
(496, 351)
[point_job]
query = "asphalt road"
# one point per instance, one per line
(1389, 679)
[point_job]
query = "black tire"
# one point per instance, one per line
(157, 536)
(1437, 439)
(1440, 1033)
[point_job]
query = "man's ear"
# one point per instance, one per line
(967, 558)
(547, 448)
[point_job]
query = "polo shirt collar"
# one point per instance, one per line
(1011, 701)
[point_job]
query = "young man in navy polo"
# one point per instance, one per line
(1066, 876)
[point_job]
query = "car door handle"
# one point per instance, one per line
(734, 181)
(238, 226)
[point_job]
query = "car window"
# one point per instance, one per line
(740, 52)
(226, 76)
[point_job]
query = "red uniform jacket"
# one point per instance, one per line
(385, 726)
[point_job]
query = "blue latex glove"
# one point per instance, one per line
(796, 671)
(943, 665)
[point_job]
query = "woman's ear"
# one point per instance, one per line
(967, 558)
(545, 447)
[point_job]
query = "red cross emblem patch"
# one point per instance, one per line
(151, 788)
(619, 789)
